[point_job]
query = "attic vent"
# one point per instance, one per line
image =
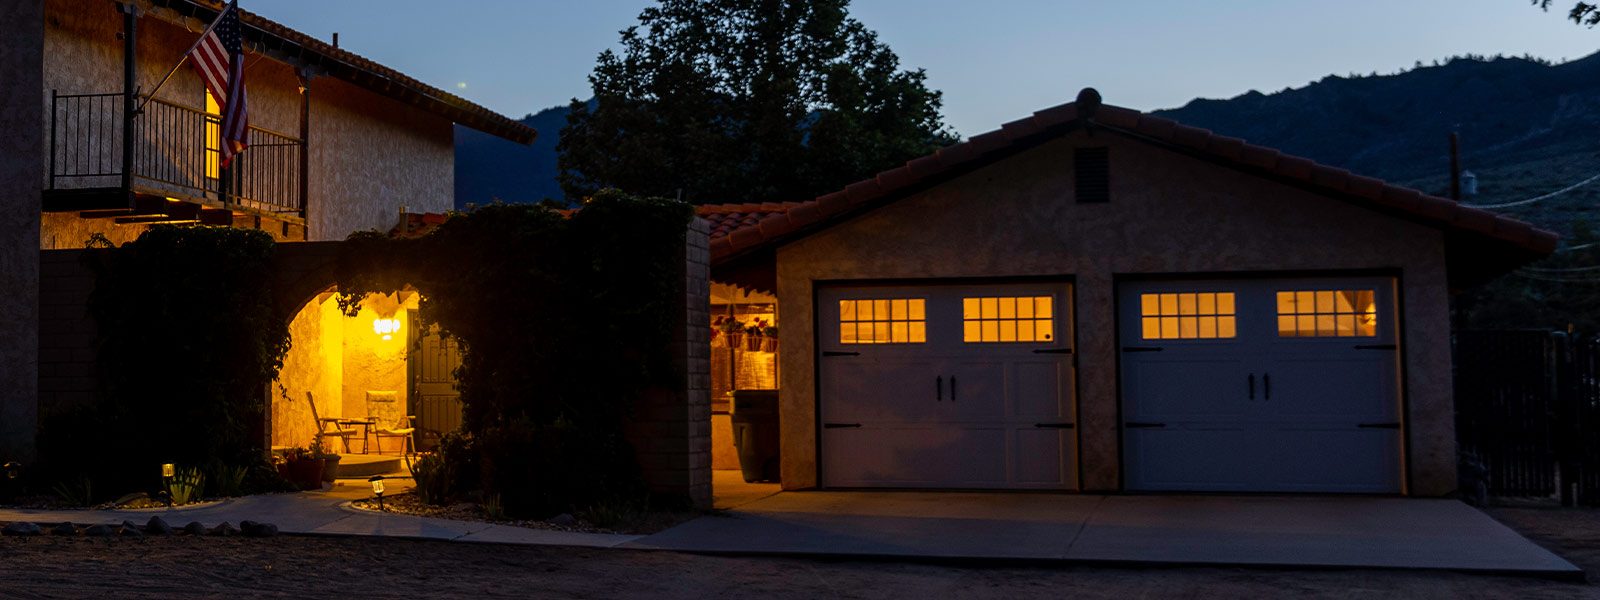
(1092, 168)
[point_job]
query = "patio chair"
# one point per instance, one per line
(337, 426)
(402, 430)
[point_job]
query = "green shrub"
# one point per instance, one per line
(186, 485)
(77, 491)
(227, 481)
(434, 478)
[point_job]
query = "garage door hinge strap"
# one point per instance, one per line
(1141, 348)
(1379, 425)
(1054, 425)
(833, 353)
(839, 425)
(1053, 351)
(1377, 347)
(1138, 425)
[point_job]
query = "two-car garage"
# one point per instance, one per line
(1285, 385)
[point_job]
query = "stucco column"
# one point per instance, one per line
(1095, 308)
(21, 171)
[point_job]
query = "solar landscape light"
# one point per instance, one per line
(377, 488)
(13, 470)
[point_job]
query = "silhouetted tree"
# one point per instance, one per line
(1582, 13)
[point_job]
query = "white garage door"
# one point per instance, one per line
(1261, 385)
(947, 386)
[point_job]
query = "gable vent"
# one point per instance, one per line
(1092, 171)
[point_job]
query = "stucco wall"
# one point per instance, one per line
(369, 154)
(1168, 214)
(21, 166)
(339, 359)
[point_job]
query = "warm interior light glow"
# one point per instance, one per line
(1203, 315)
(386, 327)
(167, 470)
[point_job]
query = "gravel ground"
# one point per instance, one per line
(182, 567)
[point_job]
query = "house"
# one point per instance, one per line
(339, 144)
(1095, 299)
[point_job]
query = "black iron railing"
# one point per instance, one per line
(176, 149)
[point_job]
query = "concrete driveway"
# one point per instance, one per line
(1292, 531)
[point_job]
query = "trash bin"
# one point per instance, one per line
(754, 416)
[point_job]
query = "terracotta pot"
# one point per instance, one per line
(330, 468)
(306, 473)
(769, 344)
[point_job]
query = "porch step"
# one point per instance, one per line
(354, 466)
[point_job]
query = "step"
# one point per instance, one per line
(353, 466)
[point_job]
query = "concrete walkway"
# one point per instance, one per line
(324, 513)
(972, 528)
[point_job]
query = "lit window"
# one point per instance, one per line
(213, 137)
(1187, 316)
(1013, 319)
(1327, 313)
(889, 321)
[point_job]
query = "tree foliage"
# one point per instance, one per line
(747, 101)
(1582, 13)
(1557, 293)
(563, 322)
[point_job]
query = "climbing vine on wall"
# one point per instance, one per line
(562, 319)
(190, 336)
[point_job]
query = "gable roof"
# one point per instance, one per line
(1492, 242)
(281, 43)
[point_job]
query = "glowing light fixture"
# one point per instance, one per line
(168, 470)
(377, 489)
(386, 327)
(13, 470)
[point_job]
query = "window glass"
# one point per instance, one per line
(883, 321)
(1327, 313)
(1008, 319)
(1187, 316)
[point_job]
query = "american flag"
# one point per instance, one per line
(219, 59)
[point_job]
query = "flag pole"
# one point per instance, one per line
(231, 6)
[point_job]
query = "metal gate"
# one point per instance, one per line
(1528, 411)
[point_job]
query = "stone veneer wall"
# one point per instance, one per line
(671, 429)
(21, 168)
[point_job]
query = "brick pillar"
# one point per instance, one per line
(22, 114)
(671, 429)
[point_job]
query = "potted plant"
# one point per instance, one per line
(732, 331)
(330, 460)
(303, 471)
(752, 335)
(769, 338)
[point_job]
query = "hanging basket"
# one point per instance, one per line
(769, 344)
(752, 343)
(733, 339)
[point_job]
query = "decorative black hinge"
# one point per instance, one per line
(840, 425)
(1138, 425)
(1053, 351)
(1141, 348)
(1377, 347)
(1054, 425)
(1379, 425)
(833, 353)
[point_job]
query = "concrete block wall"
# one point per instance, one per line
(67, 333)
(671, 429)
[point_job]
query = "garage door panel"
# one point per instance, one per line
(1186, 389)
(921, 457)
(1362, 463)
(1038, 388)
(976, 391)
(1332, 388)
(1039, 457)
(882, 390)
(1187, 458)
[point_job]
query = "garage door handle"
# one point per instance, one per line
(952, 388)
(1252, 379)
(1379, 425)
(840, 425)
(1138, 425)
(1141, 348)
(833, 353)
(938, 388)
(1053, 351)
(1266, 386)
(1054, 425)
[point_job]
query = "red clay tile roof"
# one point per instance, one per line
(360, 71)
(419, 224)
(741, 229)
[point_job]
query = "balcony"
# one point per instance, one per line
(169, 168)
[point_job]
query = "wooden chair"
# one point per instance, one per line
(402, 430)
(337, 425)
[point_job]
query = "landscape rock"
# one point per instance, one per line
(222, 530)
(98, 530)
(65, 529)
(156, 526)
(562, 519)
(254, 529)
(129, 530)
(194, 528)
(21, 528)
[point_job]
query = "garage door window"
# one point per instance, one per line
(883, 321)
(1204, 315)
(1008, 319)
(1327, 313)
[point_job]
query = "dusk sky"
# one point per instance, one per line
(995, 60)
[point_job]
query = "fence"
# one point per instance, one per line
(1528, 410)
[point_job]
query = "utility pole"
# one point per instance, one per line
(1455, 166)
